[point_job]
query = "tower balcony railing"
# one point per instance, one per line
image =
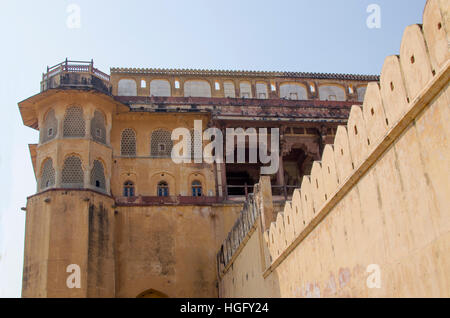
(76, 75)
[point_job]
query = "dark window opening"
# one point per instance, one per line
(128, 189)
(196, 189)
(163, 189)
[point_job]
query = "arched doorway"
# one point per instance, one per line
(151, 293)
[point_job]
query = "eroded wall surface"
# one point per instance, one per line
(65, 228)
(373, 217)
(170, 249)
(121, 251)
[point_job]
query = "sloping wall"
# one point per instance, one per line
(373, 218)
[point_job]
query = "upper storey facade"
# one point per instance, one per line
(238, 84)
(93, 133)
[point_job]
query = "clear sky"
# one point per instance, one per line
(283, 35)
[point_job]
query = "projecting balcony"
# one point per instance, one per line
(76, 75)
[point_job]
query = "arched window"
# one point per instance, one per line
(163, 189)
(261, 90)
(331, 92)
(127, 87)
(197, 189)
(197, 89)
(128, 143)
(293, 91)
(49, 127)
(74, 125)
(228, 89)
(128, 189)
(161, 144)
(98, 175)
(159, 88)
(47, 175)
(72, 173)
(98, 129)
(246, 89)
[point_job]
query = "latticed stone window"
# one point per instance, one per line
(98, 129)
(98, 175)
(161, 144)
(47, 175)
(49, 127)
(128, 143)
(72, 173)
(74, 125)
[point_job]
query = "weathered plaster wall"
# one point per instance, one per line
(121, 251)
(146, 171)
(379, 196)
(170, 249)
(63, 228)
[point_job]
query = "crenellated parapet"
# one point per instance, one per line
(408, 83)
(380, 192)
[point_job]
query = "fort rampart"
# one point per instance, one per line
(376, 204)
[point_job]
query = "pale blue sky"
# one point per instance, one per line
(284, 35)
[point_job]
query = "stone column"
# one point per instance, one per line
(58, 176)
(253, 89)
(59, 125)
(223, 169)
(237, 89)
(265, 202)
(285, 148)
(87, 177)
(108, 185)
(87, 133)
(280, 173)
(108, 128)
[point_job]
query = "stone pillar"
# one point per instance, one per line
(264, 201)
(87, 133)
(285, 149)
(237, 88)
(108, 128)
(223, 177)
(253, 89)
(87, 177)
(108, 185)
(322, 138)
(280, 173)
(60, 121)
(58, 175)
(222, 166)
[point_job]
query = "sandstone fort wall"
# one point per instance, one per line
(379, 199)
